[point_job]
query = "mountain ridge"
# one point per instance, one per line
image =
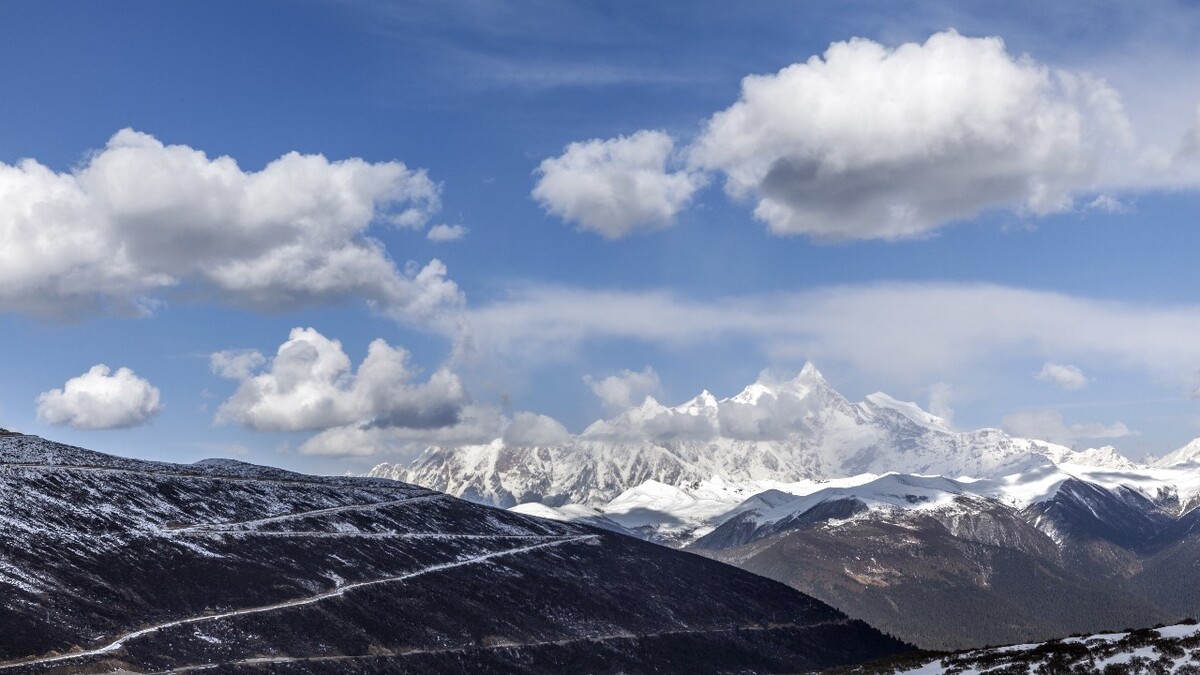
(780, 431)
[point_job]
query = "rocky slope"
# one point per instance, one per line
(110, 564)
(949, 565)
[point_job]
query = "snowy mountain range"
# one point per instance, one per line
(771, 432)
(948, 539)
(678, 470)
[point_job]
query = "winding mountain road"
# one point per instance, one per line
(297, 602)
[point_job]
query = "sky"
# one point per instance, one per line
(321, 235)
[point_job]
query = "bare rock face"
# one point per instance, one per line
(109, 564)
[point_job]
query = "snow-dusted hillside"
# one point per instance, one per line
(779, 432)
(117, 565)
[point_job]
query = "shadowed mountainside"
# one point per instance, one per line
(113, 563)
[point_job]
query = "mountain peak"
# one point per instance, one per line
(753, 393)
(1188, 453)
(702, 402)
(649, 402)
(810, 373)
(807, 381)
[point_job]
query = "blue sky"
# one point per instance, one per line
(1004, 232)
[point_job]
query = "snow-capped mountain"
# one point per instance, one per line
(119, 565)
(1189, 453)
(946, 538)
(801, 429)
(950, 564)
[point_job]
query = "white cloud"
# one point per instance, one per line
(476, 424)
(309, 385)
(443, 233)
(1066, 376)
(1048, 425)
(622, 390)
(769, 418)
(138, 217)
(895, 334)
(100, 399)
(940, 395)
(871, 142)
(347, 441)
(531, 429)
(618, 186)
(236, 364)
(652, 421)
(1189, 148)
(1106, 204)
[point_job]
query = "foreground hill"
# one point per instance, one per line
(109, 563)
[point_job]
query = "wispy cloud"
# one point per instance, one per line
(531, 46)
(1049, 425)
(911, 333)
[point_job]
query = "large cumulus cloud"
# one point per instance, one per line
(871, 142)
(618, 186)
(138, 217)
(310, 385)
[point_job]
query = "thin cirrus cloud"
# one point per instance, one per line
(871, 142)
(101, 399)
(139, 217)
(616, 187)
(899, 333)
